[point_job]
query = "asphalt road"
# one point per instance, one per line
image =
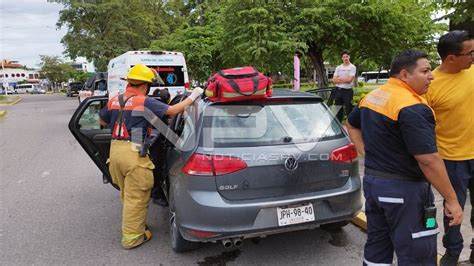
(54, 208)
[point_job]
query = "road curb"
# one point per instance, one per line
(15, 102)
(360, 220)
(3, 113)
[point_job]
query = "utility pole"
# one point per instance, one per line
(4, 81)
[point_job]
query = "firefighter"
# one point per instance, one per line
(395, 129)
(130, 171)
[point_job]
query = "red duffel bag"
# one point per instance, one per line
(238, 84)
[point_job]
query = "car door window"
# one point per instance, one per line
(90, 117)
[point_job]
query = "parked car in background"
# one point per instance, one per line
(245, 169)
(73, 88)
(9, 90)
(96, 85)
(38, 91)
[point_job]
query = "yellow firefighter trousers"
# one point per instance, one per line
(134, 175)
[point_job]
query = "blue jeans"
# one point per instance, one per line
(395, 210)
(461, 175)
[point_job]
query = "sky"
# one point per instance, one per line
(28, 29)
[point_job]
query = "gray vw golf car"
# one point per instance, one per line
(242, 170)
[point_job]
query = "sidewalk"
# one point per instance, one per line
(465, 227)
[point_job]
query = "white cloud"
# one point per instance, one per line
(28, 29)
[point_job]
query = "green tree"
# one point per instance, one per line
(457, 11)
(199, 38)
(266, 34)
(80, 76)
(257, 34)
(372, 30)
(101, 30)
(55, 70)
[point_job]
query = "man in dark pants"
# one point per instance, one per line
(451, 96)
(471, 192)
(343, 93)
(158, 156)
(394, 127)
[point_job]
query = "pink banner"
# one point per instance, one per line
(296, 73)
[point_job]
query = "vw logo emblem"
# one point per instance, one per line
(291, 164)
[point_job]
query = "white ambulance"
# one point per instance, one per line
(171, 66)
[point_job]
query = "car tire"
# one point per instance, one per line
(334, 226)
(178, 243)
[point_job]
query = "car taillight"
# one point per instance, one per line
(212, 165)
(186, 85)
(203, 234)
(345, 154)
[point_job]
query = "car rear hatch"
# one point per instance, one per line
(274, 148)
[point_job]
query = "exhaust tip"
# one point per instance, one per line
(227, 243)
(237, 242)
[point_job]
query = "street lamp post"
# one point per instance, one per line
(4, 81)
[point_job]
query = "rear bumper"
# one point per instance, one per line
(207, 211)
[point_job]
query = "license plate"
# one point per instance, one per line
(295, 215)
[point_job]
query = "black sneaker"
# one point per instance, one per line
(449, 260)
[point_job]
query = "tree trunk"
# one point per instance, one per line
(355, 82)
(315, 53)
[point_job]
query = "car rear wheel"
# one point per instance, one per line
(334, 226)
(178, 243)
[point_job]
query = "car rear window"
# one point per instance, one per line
(270, 124)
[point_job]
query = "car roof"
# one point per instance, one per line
(277, 94)
(285, 93)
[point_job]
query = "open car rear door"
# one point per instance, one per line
(94, 139)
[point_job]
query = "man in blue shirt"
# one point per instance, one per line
(394, 127)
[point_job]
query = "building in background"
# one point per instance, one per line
(79, 66)
(12, 73)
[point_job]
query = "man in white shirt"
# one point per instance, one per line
(343, 78)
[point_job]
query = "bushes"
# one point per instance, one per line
(357, 98)
(359, 93)
(303, 86)
(282, 86)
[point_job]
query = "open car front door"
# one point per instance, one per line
(94, 139)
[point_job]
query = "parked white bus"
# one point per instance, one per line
(374, 76)
(27, 88)
(171, 66)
